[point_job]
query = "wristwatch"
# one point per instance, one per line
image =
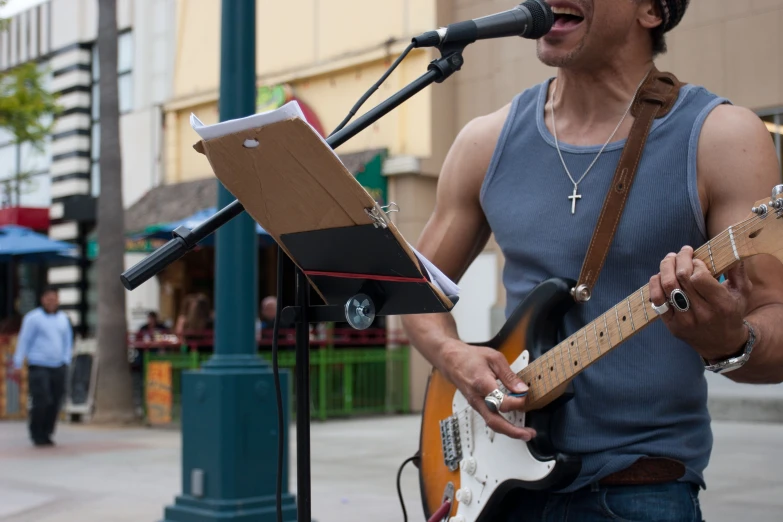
(735, 361)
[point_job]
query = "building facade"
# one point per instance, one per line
(326, 55)
(60, 36)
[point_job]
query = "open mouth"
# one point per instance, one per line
(566, 17)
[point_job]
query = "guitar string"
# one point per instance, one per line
(722, 258)
(720, 242)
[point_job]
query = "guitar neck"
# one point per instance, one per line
(621, 322)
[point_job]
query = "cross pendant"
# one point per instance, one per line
(573, 199)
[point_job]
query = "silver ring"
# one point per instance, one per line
(679, 300)
(493, 400)
(660, 310)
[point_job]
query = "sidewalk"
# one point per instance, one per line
(129, 475)
(731, 401)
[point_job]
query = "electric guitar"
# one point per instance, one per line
(470, 467)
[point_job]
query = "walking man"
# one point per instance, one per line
(46, 341)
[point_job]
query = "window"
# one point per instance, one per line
(124, 94)
(125, 52)
(95, 154)
(33, 190)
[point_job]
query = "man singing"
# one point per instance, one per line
(535, 174)
(46, 341)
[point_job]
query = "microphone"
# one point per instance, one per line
(531, 19)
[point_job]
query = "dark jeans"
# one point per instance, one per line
(674, 501)
(47, 388)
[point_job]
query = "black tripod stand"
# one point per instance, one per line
(355, 300)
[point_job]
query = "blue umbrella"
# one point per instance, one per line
(24, 244)
(164, 230)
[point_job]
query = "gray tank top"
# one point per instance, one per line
(649, 396)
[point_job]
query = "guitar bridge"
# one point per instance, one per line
(452, 447)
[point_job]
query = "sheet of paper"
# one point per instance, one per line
(438, 278)
(254, 121)
(288, 111)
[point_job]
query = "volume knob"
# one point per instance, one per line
(469, 465)
(464, 496)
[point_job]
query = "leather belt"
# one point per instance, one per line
(646, 470)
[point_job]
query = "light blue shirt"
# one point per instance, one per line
(44, 339)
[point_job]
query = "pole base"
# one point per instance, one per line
(190, 509)
(229, 445)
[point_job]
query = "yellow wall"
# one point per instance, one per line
(292, 36)
(330, 52)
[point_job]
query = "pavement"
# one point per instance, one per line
(729, 400)
(123, 475)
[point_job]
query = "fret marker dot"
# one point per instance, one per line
(623, 318)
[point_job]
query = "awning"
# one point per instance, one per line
(30, 217)
(164, 230)
(23, 244)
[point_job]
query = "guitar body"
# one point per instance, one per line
(466, 462)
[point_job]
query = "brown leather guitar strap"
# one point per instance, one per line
(655, 100)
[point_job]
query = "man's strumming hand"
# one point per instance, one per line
(474, 370)
(713, 325)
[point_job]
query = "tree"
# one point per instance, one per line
(3, 21)
(27, 109)
(114, 394)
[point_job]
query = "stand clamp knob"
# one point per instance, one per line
(360, 311)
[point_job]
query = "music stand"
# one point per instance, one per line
(356, 289)
(357, 282)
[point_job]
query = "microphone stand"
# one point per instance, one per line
(302, 313)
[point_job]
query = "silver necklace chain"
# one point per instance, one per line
(576, 196)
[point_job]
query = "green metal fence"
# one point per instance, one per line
(343, 382)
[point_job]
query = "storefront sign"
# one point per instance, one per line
(372, 179)
(158, 392)
(145, 245)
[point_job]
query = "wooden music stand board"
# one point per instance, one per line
(294, 185)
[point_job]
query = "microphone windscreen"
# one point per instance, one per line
(542, 16)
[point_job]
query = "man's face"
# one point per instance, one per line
(587, 31)
(50, 302)
(152, 320)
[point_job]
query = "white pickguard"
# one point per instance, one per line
(495, 457)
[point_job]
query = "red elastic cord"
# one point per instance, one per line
(441, 512)
(367, 276)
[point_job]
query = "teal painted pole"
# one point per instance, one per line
(229, 415)
(236, 246)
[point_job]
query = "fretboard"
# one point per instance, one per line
(618, 324)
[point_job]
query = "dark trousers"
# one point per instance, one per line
(47, 388)
(672, 502)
